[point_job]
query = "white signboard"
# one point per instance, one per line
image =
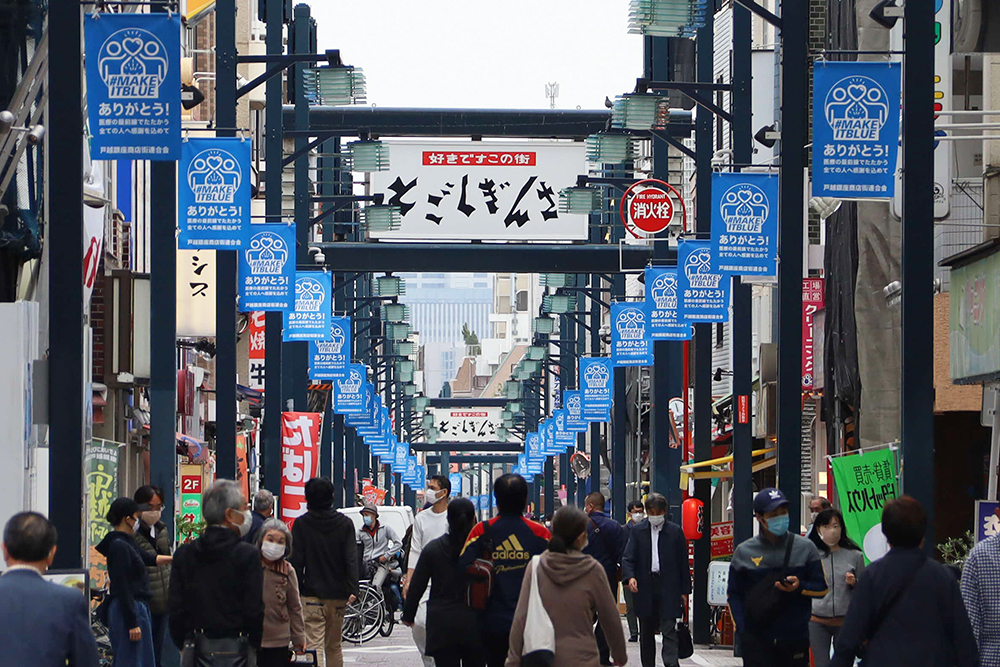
(718, 583)
(482, 190)
(467, 424)
(195, 293)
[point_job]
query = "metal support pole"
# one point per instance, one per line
(567, 330)
(619, 427)
(794, 136)
(580, 334)
(225, 296)
(918, 260)
(595, 351)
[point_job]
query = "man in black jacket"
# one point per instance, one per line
(216, 583)
(606, 540)
(325, 558)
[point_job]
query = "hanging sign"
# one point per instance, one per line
(987, 519)
(864, 482)
(630, 342)
(745, 223)
(650, 206)
(703, 289)
(564, 437)
(533, 447)
(134, 85)
(661, 301)
(813, 300)
(267, 267)
(300, 437)
(310, 320)
(575, 420)
(595, 386)
(455, 479)
(196, 294)
(348, 397)
(328, 360)
(855, 129)
(467, 424)
(213, 193)
(256, 343)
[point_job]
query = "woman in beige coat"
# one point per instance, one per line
(573, 587)
(283, 622)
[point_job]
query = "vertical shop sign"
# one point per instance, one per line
(300, 437)
(267, 268)
(101, 464)
(213, 193)
(864, 482)
(813, 299)
(257, 349)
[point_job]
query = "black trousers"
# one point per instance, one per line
(758, 652)
(273, 657)
(495, 646)
(602, 642)
(459, 656)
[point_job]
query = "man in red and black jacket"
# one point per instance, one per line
(513, 541)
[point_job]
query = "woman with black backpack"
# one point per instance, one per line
(452, 627)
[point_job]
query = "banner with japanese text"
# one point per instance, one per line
(564, 437)
(300, 439)
(864, 482)
(745, 223)
(467, 424)
(267, 268)
(101, 465)
(702, 288)
(328, 360)
(856, 109)
(133, 85)
(213, 193)
(813, 299)
(595, 386)
(257, 344)
(575, 421)
(456, 484)
(630, 341)
(310, 319)
(661, 300)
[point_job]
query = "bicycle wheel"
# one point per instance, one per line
(363, 618)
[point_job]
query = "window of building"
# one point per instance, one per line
(522, 301)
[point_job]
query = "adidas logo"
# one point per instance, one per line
(511, 549)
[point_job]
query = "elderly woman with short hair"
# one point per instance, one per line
(283, 621)
(216, 587)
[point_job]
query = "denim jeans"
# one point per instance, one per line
(127, 652)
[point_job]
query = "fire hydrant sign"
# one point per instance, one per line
(300, 436)
(703, 289)
(133, 85)
(267, 268)
(661, 300)
(213, 193)
(856, 129)
(650, 207)
(310, 319)
(630, 342)
(328, 360)
(745, 223)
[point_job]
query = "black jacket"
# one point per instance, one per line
(927, 626)
(675, 573)
(450, 622)
(325, 557)
(159, 575)
(127, 571)
(217, 587)
(258, 521)
(606, 541)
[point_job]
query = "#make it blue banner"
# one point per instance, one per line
(703, 290)
(575, 420)
(595, 385)
(133, 85)
(661, 300)
(310, 320)
(349, 397)
(456, 484)
(745, 223)
(213, 194)
(267, 268)
(855, 129)
(328, 360)
(565, 438)
(630, 342)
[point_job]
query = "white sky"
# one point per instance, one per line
(474, 54)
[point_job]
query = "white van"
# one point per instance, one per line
(397, 517)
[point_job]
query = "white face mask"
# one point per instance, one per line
(432, 495)
(244, 527)
(637, 517)
(656, 520)
(272, 550)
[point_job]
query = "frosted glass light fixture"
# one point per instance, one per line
(639, 111)
(559, 303)
(390, 286)
(395, 312)
(667, 18)
(335, 85)
(381, 217)
(579, 200)
(544, 324)
(610, 148)
(368, 156)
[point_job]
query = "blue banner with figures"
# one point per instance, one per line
(661, 300)
(213, 194)
(630, 342)
(267, 268)
(456, 484)
(565, 438)
(702, 289)
(595, 386)
(328, 360)
(310, 319)
(855, 129)
(349, 394)
(133, 85)
(745, 223)
(575, 420)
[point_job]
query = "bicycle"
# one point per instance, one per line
(369, 615)
(105, 654)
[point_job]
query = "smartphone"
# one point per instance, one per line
(787, 581)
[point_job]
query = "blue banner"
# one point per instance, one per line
(456, 484)
(702, 289)
(349, 397)
(575, 420)
(745, 223)
(661, 300)
(267, 268)
(402, 454)
(595, 385)
(328, 360)
(552, 447)
(213, 194)
(313, 307)
(630, 342)
(565, 438)
(855, 129)
(133, 85)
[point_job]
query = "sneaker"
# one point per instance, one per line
(634, 638)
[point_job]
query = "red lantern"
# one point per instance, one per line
(693, 513)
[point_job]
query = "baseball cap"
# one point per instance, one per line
(768, 500)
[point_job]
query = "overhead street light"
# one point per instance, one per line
(381, 218)
(390, 286)
(368, 156)
(335, 84)
(559, 303)
(558, 280)
(610, 148)
(544, 324)
(395, 312)
(639, 111)
(579, 200)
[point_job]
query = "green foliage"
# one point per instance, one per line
(189, 529)
(956, 550)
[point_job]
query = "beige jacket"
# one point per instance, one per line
(283, 623)
(573, 586)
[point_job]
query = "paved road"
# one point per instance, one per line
(399, 651)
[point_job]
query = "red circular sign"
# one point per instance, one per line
(649, 206)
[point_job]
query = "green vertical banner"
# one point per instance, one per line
(101, 464)
(864, 482)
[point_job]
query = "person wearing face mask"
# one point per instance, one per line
(657, 571)
(843, 562)
(816, 505)
(283, 622)
(129, 623)
(606, 540)
(152, 536)
(429, 525)
(773, 579)
(636, 515)
(216, 598)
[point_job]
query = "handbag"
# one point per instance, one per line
(765, 601)
(480, 576)
(539, 648)
(685, 646)
(202, 651)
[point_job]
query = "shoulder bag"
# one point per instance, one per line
(539, 649)
(480, 576)
(764, 601)
(202, 651)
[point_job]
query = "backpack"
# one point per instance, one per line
(480, 575)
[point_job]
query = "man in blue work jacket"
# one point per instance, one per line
(606, 540)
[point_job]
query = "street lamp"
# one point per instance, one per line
(558, 279)
(403, 348)
(410, 389)
(381, 217)
(559, 303)
(405, 366)
(368, 155)
(544, 324)
(514, 407)
(390, 286)
(579, 200)
(427, 421)
(395, 312)
(639, 111)
(512, 389)
(502, 432)
(335, 84)
(421, 403)
(538, 353)
(666, 18)
(398, 331)
(610, 148)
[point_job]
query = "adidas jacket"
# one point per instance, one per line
(514, 541)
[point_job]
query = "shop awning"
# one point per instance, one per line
(688, 470)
